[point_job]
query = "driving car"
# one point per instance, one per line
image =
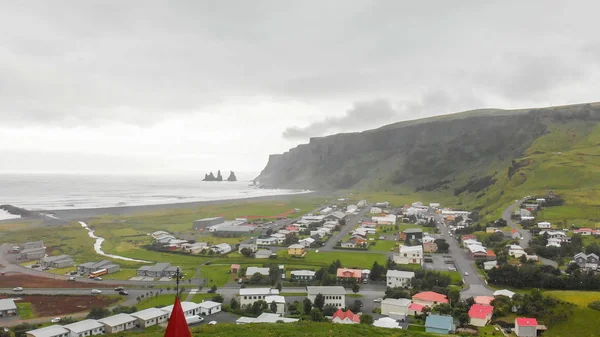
(71, 278)
(98, 278)
(18, 289)
(123, 292)
(119, 289)
(378, 300)
(212, 322)
(466, 274)
(96, 291)
(55, 320)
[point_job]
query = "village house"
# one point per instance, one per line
(483, 300)
(7, 307)
(525, 327)
(118, 323)
(33, 245)
(350, 209)
(87, 327)
(398, 278)
(302, 275)
(270, 241)
(149, 317)
(515, 251)
(396, 308)
(409, 255)
(345, 317)
(335, 216)
(254, 270)
(251, 295)
(90, 267)
(189, 309)
(266, 318)
(416, 309)
(344, 274)
(251, 246)
(388, 219)
(263, 254)
(430, 247)
(194, 248)
(202, 224)
(413, 234)
(49, 331)
(296, 250)
(504, 292)
(514, 234)
(480, 314)
(375, 210)
(583, 231)
(429, 298)
(333, 295)
(544, 224)
(279, 302)
(221, 248)
(162, 269)
(481, 253)
(60, 261)
(208, 308)
(586, 261)
(306, 242)
(439, 324)
(32, 253)
(489, 265)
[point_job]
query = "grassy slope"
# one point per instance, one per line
(304, 329)
(582, 322)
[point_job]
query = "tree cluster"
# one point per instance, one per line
(534, 304)
(547, 277)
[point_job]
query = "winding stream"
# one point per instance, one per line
(98, 246)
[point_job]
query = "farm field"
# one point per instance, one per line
(579, 322)
(57, 305)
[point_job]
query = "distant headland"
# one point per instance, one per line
(211, 177)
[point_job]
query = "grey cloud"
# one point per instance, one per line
(370, 114)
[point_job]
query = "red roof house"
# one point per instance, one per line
(349, 273)
(235, 268)
(526, 327)
(484, 300)
(429, 298)
(414, 309)
(480, 314)
(468, 237)
(347, 317)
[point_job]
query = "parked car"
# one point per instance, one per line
(18, 289)
(123, 292)
(212, 322)
(378, 300)
(98, 278)
(55, 320)
(35, 266)
(96, 291)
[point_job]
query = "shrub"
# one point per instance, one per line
(594, 305)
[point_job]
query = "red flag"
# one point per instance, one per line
(177, 326)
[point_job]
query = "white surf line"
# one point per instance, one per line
(98, 246)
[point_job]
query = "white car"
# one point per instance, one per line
(466, 274)
(96, 291)
(378, 300)
(18, 289)
(55, 320)
(212, 323)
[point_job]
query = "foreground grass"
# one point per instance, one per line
(304, 329)
(582, 322)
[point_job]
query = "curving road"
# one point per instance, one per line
(525, 234)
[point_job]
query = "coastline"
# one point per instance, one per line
(88, 213)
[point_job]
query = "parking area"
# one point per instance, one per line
(439, 262)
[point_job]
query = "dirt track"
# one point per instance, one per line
(52, 305)
(30, 281)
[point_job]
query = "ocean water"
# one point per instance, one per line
(63, 191)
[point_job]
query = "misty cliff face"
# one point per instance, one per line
(411, 154)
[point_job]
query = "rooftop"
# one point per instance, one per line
(52, 330)
(326, 290)
(148, 313)
(387, 322)
(185, 306)
(481, 311)
(524, 321)
(274, 298)
(303, 272)
(258, 291)
(209, 304)
(431, 296)
(404, 249)
(402, 302)
(504, 292)
(439, 322)
(85, 325)
(7, 304)
(253, 270)
(117, 319)
(348, 273)
(347, 314)
(413, 230)
(400, 273)
(416, 307)
(296, 246)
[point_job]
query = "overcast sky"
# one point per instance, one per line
(170, 86)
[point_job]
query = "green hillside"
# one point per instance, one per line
(304, 329)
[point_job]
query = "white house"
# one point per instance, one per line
(544, 224)
(266, 241)
(221, 248)
(7, 307)
(149, 317)
(554, 242)
(49, 331)
(326, 210)
(409, 255)
(118, 323)
(396, 308)
(389, 219)
(306, 242)
(253, 270)
(302, 275)
(351, 209)
(279, 301)
(398, 278)
(334, 295)
(251, 295)
(515, 251)
(87, 327)
(189, 309)
(375, 210)
(265, 318)
(489, 265)
(208, 308)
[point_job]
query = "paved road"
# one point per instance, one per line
(475, 284)
(525, 234)
(351, 222)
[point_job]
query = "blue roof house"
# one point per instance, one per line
(439, 324)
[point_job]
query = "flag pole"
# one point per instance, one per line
(177, 282)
